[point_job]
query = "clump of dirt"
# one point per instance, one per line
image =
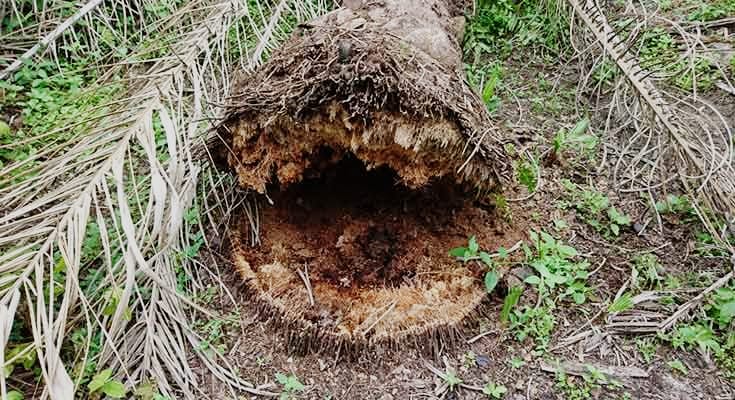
(353, 254)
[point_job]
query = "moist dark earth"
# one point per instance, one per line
(358, 228)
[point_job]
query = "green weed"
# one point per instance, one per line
(104, 384)
(712, 332)
(659, 52)
(622, 303)
(536, 323)
(553, 261)
(487, 81)
(527, 172)
(451, 379)
(47, 99)
(646, 273)
(594, 209)
(500, 25)
(473, 253)
(494, 391)
(516, 362)
(605, 73)
(647, 347)
(576, 139)
(678, 366)
(711, 10)
(510, 301)
(291, 386)
(469, 359)
(214, 331)
(592, 380)
(674, 204)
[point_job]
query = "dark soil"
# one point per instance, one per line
(355, 228)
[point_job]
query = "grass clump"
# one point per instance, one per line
(499, 26)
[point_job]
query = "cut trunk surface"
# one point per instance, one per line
(376, 158)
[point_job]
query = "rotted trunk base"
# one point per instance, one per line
(352, 259)
(374, 159)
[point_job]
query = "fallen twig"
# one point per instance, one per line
(305, 277)
(579, 369)
(684, 308)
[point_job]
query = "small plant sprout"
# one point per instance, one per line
(104, 384)
(510, 301)
(622, 303)
(577, 139)
(451, 379)
(469, 359)
(678, 366)
(291, 386)
(553, 261)
(473, 253)
(647, 347)
(595, 210)
(527, 172)
(494, 391)
(517, 362)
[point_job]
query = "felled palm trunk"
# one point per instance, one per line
(353, 102)
(383, 81)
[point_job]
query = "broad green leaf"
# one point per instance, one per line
(458, 252)
(578, 297)
(510, 301)
(473, 246)
(617, 217)
(678, 366)
(99, 380)
(491, 280)
(727, 312)
(615, 229)
(114, 389)
(532, 280)
(540, 267)
(14, 395)
(580, 128)
(556, 279)
(547, 238)
(281, 378)
(502, 252)
(567, 251)
(4, 130)
(486, 259)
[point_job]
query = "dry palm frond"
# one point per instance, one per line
(120, 190)
(674, 139)
(104, 28)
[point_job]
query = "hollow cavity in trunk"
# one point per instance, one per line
(354, 255)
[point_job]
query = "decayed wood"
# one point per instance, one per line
(380, 79)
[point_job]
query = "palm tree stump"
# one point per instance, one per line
(374, 158)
